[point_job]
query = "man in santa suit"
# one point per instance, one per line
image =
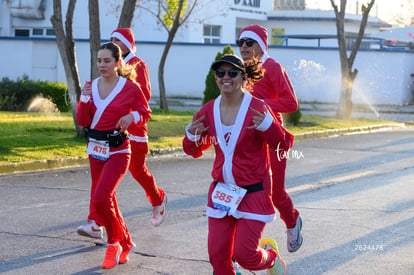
(277, 92)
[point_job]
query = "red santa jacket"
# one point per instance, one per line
(103, 114)
(244, 161)
(139, 133)
(276, 89)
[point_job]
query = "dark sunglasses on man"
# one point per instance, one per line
(249, 42)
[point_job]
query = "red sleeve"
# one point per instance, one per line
(140, 105)
(83, 112)
(143, 79)
(285, 101)
(195, 148)
(276, 136)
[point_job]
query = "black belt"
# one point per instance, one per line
(250, 188)
(115, 139)
(98, 135)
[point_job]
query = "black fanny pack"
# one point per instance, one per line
(250, 188)
(114, 137)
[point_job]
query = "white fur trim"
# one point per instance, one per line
(136, 116)
(254, 36)
(101, 104)
(190, 136)
(218, 214)
(124, 151)
(85, 98)
(138, 138)
(266, 123)
(228, 151)
(129, 56)
(123, 40)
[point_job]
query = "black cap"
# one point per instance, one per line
(229, 59)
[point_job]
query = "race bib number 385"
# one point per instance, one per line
(227, 196)
(98, 149)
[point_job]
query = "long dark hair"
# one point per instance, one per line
(254, 70)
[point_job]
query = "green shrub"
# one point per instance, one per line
(212, 91)
(17, 95)
(292, 118)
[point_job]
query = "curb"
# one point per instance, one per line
(348, 131)
(41, 165)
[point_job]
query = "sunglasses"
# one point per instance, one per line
(249, 42)
(220, 73)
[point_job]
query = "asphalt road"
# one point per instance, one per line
(355, 194)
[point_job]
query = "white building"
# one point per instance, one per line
(309, 53)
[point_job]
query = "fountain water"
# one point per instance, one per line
(41, 104)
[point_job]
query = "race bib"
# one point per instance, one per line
(227, 196)
(98, 149)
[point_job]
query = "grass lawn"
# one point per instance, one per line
(36, 136)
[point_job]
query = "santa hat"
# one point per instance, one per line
(257, 33)
(126, 36)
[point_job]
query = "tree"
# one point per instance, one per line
(348, 74)
(94, 35)
(171, 14)
(66, 46)
(127, 14)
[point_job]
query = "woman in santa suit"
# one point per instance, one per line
(138, 137)
(115, 102)
(239, 127)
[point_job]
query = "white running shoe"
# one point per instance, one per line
(158, 213)
(294, 236)
(91, 230)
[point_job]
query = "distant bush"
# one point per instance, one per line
(292, 118)
(17, 95)
(212, 91)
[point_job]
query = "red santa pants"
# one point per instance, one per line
(142, 175)
(239, 238)
(281, 199)
(106, 175)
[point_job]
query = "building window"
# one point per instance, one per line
(37, 32)
(289, 4)
(50, 32)
(211, 34)
(22, 32)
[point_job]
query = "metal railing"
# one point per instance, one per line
(330, 41)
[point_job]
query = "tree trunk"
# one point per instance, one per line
(66, 46)
(344, 110)
(171, 35)
(348, 76)
(94, 35)
(127, 14)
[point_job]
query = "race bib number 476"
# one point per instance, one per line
(98, 149)
(227, 196)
